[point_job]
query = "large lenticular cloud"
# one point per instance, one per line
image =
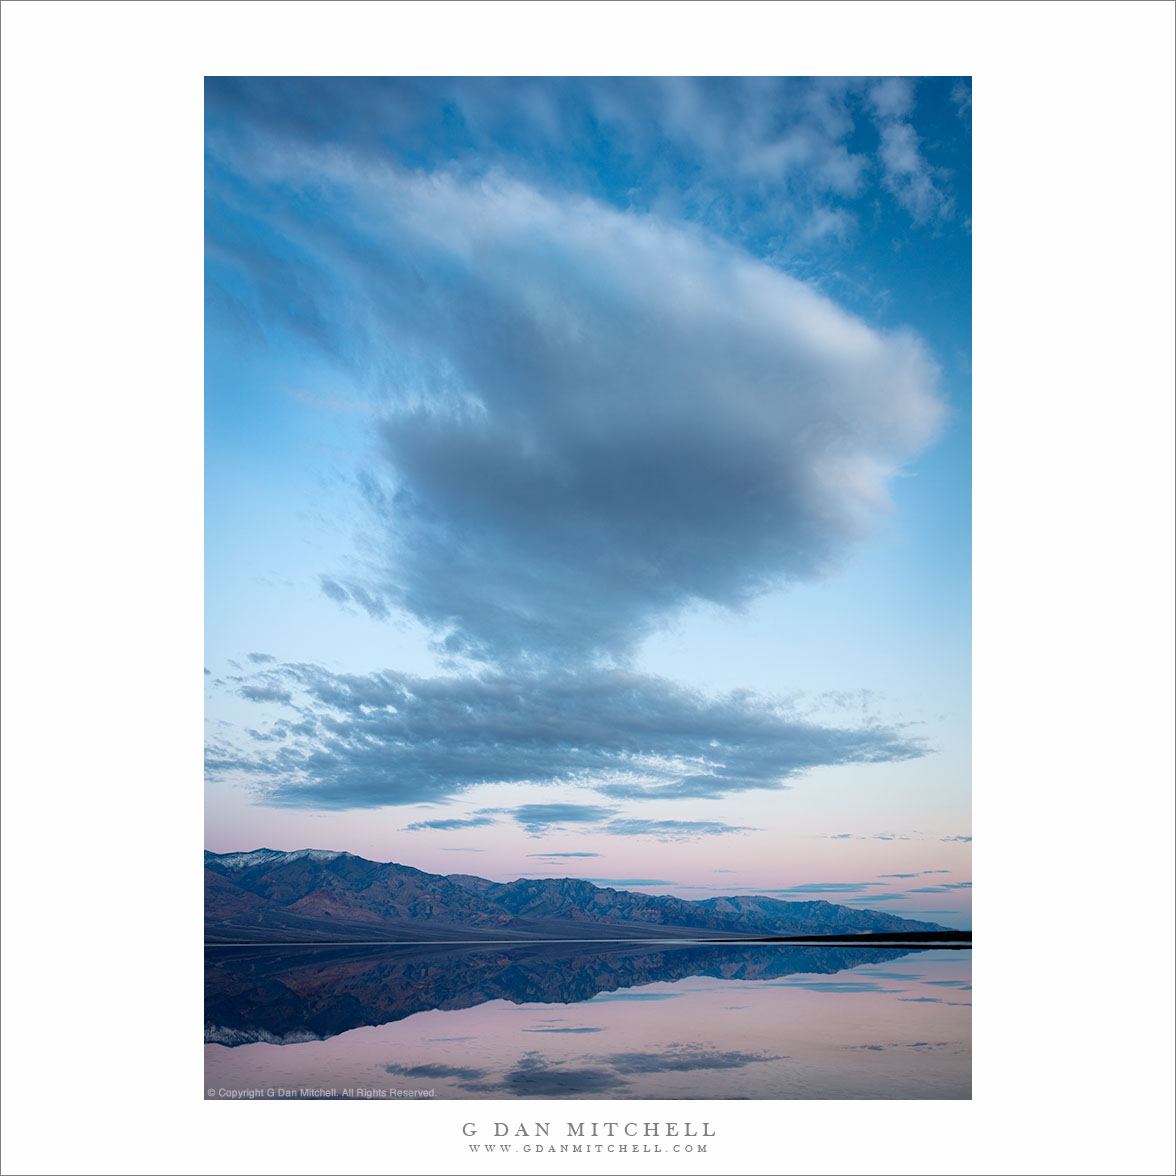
(589, 419)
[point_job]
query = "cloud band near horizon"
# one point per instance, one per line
(369, 740)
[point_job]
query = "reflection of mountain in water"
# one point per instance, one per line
(290, 994)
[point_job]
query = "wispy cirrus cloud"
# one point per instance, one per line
(916, 874)
(752, 157)
(537, 818)
(367, 740)
(451, 823)
(264, 692)
(671, 830)
(871, 900)
(961, 95)
(808, 889)
(918, 186)
(873, 836)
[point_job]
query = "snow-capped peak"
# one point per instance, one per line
(261, 857)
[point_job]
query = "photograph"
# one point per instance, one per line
(587, 610)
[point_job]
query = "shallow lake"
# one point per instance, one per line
(624, 1021)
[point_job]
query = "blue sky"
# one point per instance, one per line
(588, 472)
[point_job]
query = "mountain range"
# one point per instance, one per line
(325, 896)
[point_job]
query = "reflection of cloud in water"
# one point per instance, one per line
(903, 1045)
(597, 1075)
(436, 1071)
(568, 1029)
(832, 986)
(685, 1057)
(610, 996)
(959, 1004)
(534, 1076)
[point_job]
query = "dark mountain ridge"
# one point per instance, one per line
(322, 896)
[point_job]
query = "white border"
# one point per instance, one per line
(102, 532)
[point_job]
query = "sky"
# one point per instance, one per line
(588, 480)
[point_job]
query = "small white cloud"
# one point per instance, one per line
(892, 97)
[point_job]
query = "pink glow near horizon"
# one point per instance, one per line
(753, 862)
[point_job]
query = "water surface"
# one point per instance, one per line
(644, 1021)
